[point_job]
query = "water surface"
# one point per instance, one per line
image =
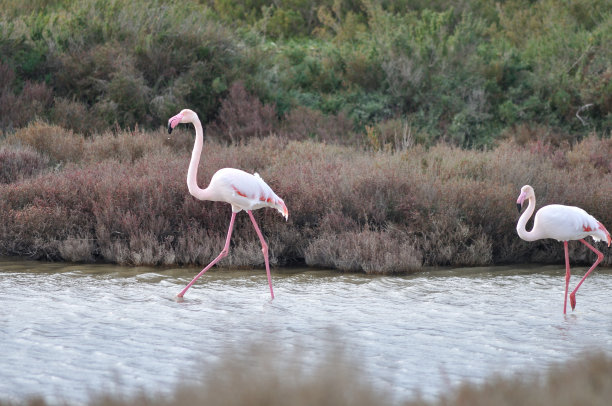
(69, 330)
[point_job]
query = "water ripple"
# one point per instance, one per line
(69, 330)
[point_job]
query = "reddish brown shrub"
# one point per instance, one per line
(8, 103)
(35, 99)
(366, 251)
(302, 123)
(126, 201)
(16, 110)
(592, 155)
(76, 116)
(242, 116)
(20, 163)
(7, 77)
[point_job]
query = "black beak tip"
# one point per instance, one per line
(169, 129)
(519, 207)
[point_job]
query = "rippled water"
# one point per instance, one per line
(66, 331)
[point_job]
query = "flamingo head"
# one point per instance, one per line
(526, 193)
(185, 116)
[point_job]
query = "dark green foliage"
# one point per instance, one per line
(458, 71)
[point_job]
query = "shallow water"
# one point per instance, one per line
(67, 331)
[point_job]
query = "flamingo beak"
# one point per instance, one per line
(173, 122)
(519, 201)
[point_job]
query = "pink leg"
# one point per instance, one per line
(599, 259)
(222, 255)
(567, 274)
(264, 249)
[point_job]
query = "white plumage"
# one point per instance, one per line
(244, 191)
(562, 223)
(565, 223)
(240, 189)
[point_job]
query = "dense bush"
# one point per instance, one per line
(130, 63)
(20, 163)
(53, 141)
(242, 116)
(122, 197)
(462, 72)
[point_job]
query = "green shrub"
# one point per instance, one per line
(460, 72)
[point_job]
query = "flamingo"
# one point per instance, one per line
(562, 223)
(234, 186)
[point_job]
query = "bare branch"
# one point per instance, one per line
(580, 110)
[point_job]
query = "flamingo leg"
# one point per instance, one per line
(264, 249)
(597, 261)
(222, 255)
(567, 274)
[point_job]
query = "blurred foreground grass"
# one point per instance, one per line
(584, 380)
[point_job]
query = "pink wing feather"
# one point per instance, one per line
(244, 191)
(564, 223)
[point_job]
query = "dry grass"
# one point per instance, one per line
(121, 197)
(57, 143)
(302, 123)
(582, 381)
(364, 251)
(257, 376)
(18, 163)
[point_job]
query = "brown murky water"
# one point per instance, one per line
(69, 330)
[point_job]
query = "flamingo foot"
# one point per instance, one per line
(573, 300)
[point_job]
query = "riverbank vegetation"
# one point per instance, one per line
(398, 133)
(583, 380)
(121, 197)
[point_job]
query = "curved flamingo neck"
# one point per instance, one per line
(192, 172)
(522, 223)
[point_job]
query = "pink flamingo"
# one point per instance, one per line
(238, 188)
(562, 223)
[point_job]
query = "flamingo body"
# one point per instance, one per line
(240, 189)
(244, 191)
(566, 223)
(562, 223)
